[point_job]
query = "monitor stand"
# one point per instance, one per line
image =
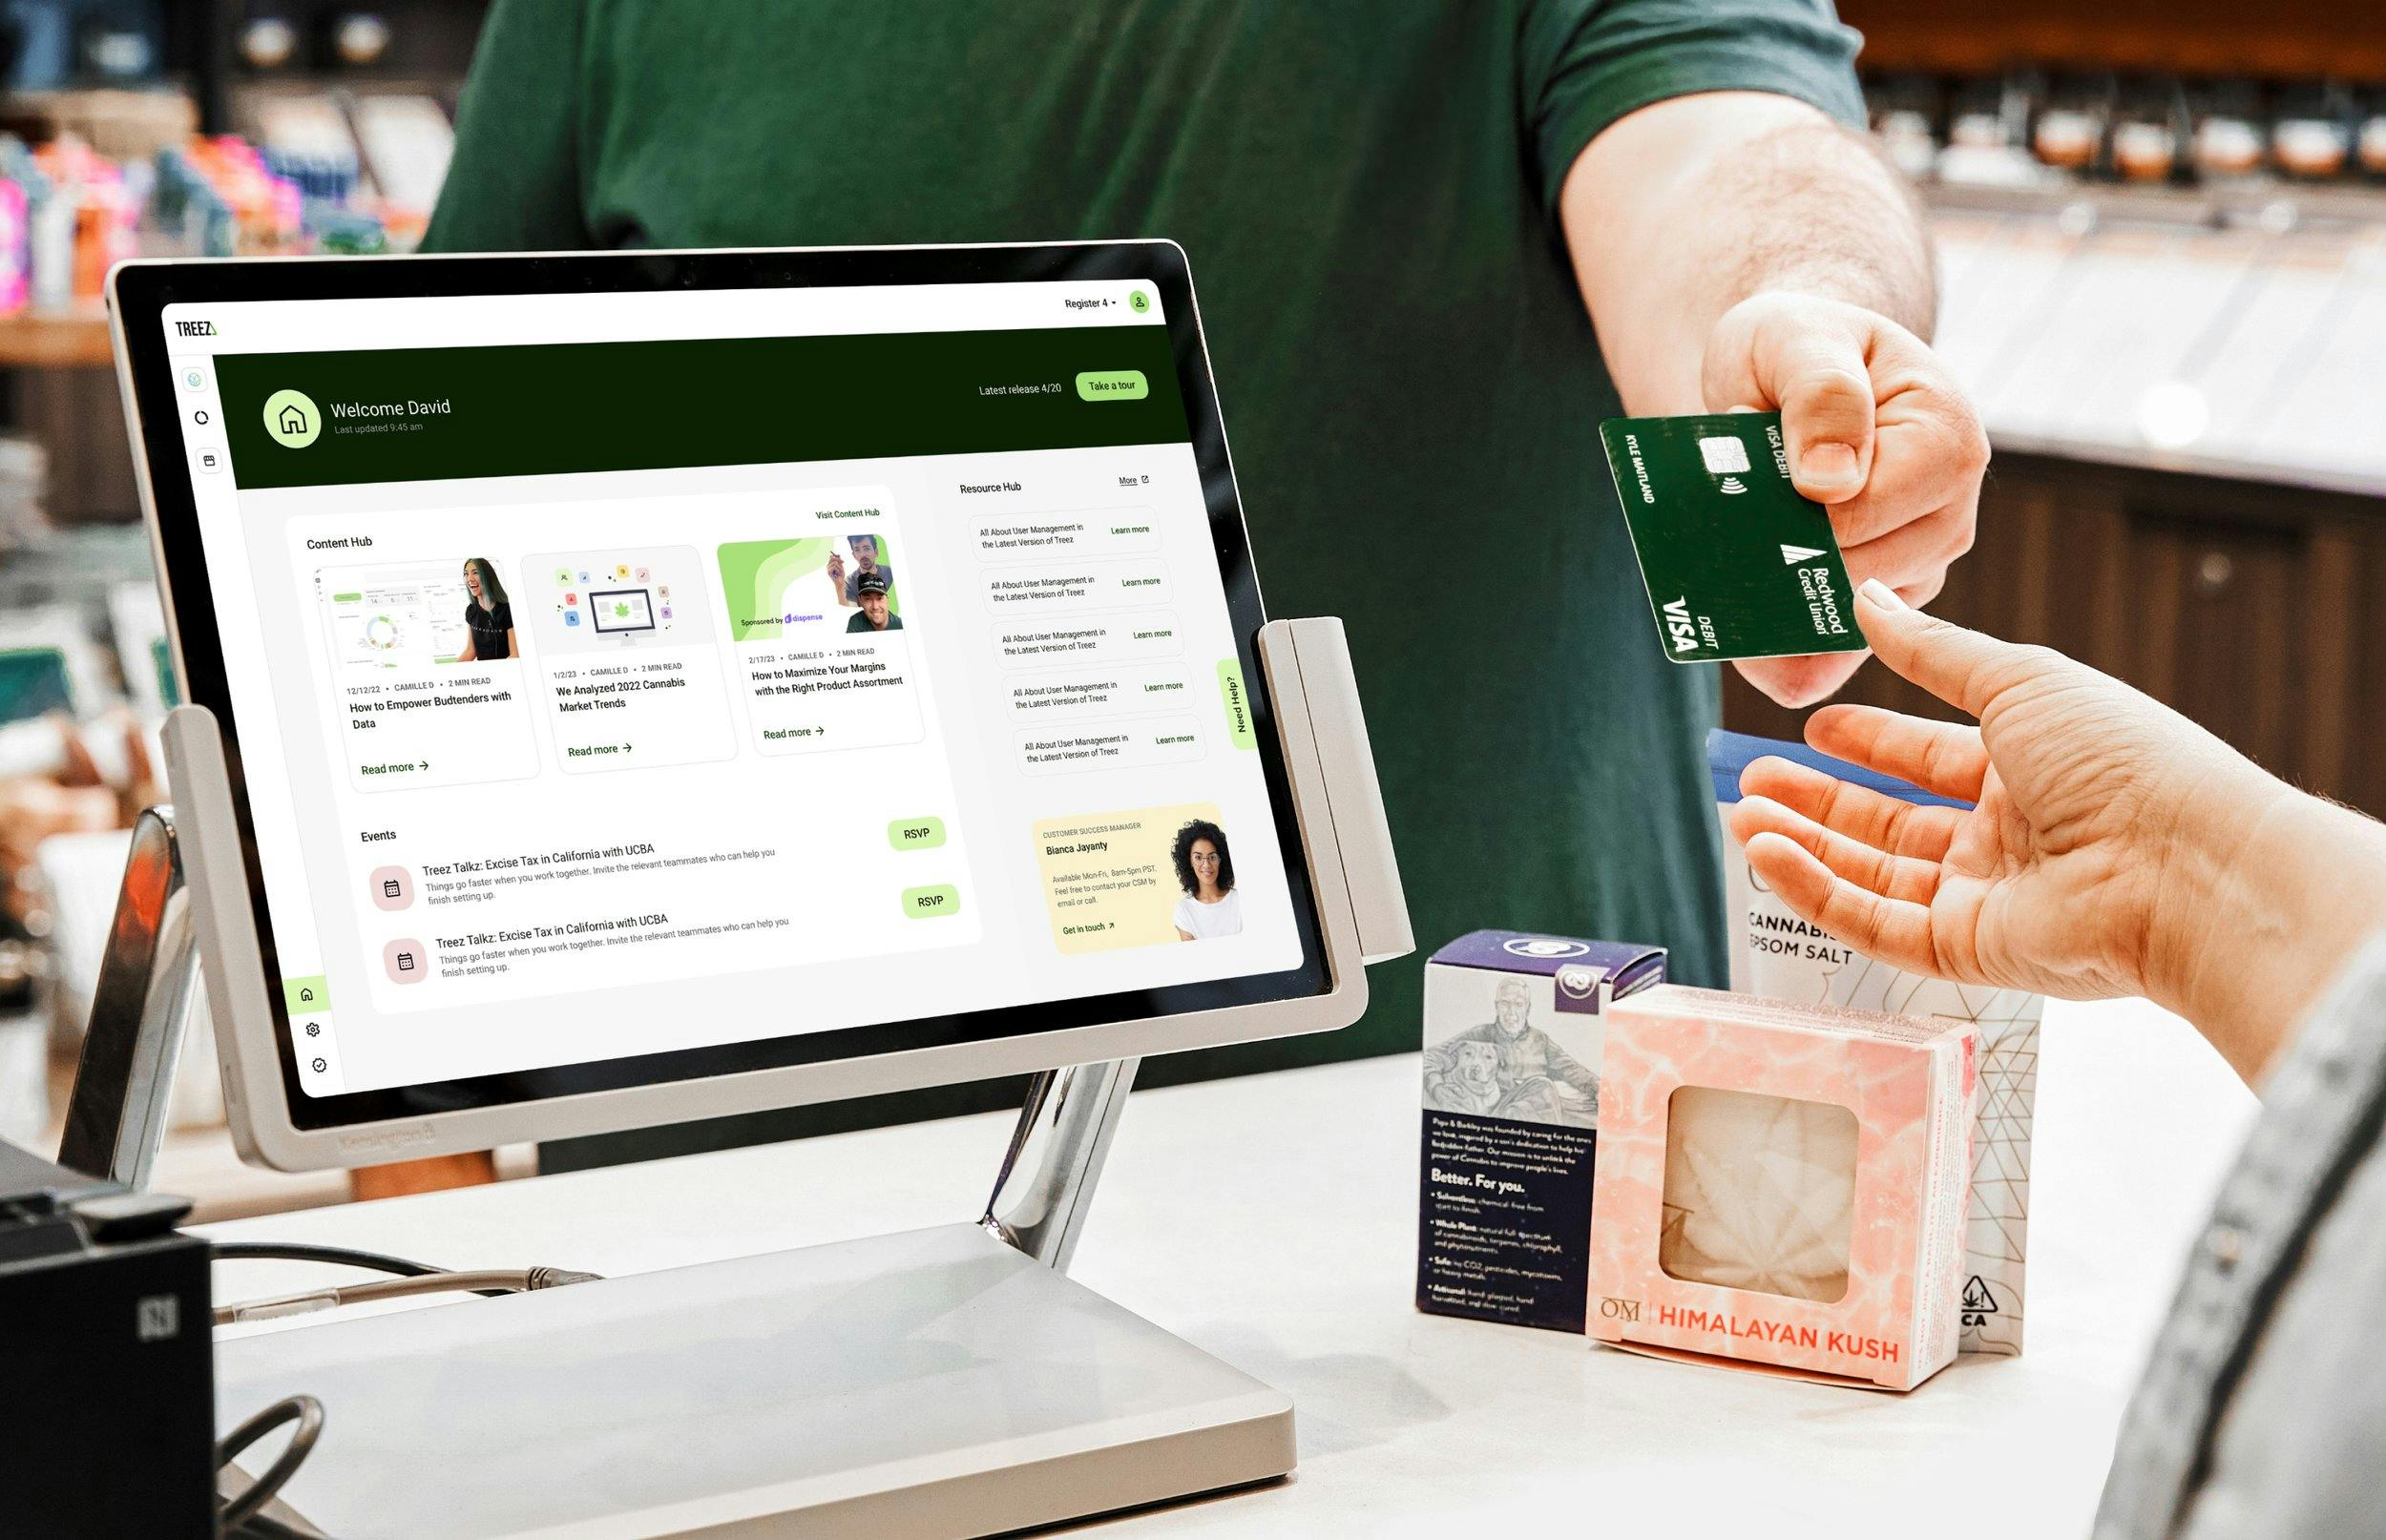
(938, 1383)
(944, 1383)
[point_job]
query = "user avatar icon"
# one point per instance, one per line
(393, 888)
(406, 962)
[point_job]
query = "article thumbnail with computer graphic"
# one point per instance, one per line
(427, 663)
(818, 626)
(633, 669)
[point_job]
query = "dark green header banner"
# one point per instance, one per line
(443, 413)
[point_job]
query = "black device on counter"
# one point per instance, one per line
(107, 1375)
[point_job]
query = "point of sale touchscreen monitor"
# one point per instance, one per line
(644, 669)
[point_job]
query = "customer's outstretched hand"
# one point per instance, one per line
(2115, 847)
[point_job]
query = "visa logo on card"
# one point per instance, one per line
(1735, 562)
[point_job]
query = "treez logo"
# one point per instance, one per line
(291, 419)
(194, 329)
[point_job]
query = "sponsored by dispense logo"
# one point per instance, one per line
(292, 419)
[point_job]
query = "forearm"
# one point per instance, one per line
(1684, 209)
(2255, 924)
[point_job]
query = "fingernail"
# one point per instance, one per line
(1830, 463)
(1882, 594)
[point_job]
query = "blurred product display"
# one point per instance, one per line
(2151, 270)
(151, 128)
(2065, 128)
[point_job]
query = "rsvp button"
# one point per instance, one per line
(932, 902)
(916, 833)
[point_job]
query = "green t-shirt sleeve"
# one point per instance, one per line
(515, 183)
(1586, 63)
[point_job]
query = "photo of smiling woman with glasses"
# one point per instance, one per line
(1206, 871)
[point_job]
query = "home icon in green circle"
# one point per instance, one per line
(291, 419)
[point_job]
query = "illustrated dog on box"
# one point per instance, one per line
(1509, 1068)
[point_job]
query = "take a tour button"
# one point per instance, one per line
(1112, 385)
(932, 902)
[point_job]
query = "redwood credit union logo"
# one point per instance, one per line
(291, 419)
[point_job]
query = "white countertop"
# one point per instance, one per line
(1272, 1221)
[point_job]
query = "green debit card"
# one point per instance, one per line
(1736, 563)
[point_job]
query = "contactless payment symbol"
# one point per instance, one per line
(291, 419)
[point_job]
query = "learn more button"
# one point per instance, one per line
(932, 902)
(916, 833)
(1113, 384)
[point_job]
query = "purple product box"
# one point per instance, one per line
(1515, 1030)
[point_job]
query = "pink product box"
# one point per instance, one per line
(1782, 1187)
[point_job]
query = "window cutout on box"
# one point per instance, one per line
(1760, 1193)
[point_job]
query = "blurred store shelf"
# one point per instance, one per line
(2101, 333)
(75, 338)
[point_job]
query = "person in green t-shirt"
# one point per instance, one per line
(1434, 245)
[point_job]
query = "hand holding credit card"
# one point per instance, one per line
(1736, 563)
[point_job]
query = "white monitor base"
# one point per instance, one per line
(935, 1383)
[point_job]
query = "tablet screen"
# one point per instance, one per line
(624, 674)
